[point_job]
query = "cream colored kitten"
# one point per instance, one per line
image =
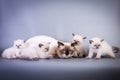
(44, 50)
(36, 51)
(42, 38)
(13, 52)
(79, 46)
(66, 50)
(100, 47)
(29, 54)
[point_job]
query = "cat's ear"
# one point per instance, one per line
(91, 41)
(49, 42)
(40, 45)
(60, 44)
(102, 40)
(24, 41)
(73, 44)
(73, 34)
(84, 37)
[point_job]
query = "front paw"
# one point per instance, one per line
(97, 58)
(88, 57)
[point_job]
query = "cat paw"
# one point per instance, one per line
(97, 58)
(113, 57)
(88, 57)
(36, 58)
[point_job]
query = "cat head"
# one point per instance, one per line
(66, 50)
(19, 44)
(78, 38)
(44, 46)
(96, 43)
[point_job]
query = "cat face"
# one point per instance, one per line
(96, 43)
(19, 44)
(77, 38)
(65, 50)
(44, 46)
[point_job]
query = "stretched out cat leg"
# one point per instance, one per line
(90, 55)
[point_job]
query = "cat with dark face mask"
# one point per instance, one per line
(66, 50)
(101, 48)
(79, 39)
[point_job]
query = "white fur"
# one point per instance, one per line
(29, 54)
(38, 39)
(35, 52)
(13, 52)
(43, 52)
(104, 49)
(9, 53)
(80, 44)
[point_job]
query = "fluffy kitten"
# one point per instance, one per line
(100, 47)
(42, 38)
(79, 46)
(43, 52)
(13, 52)
(35, 51)
(66, 50)
(29, 54)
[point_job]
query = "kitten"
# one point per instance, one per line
(66, 50)
(13, 52)
(36, 51)
(44, 50)
(79, 46)
(43, 38)
(29, 54)
(100, 47)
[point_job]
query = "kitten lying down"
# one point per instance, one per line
(13, 52)
(101, 48)
(42, 38)
(66, 50)
(35, 52)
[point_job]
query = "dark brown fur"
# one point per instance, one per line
(115, 49)
(66, 50)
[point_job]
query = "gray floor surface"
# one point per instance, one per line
(61, 69)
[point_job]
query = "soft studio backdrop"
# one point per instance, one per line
(22, 19)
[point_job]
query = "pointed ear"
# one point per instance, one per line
(40, 45)
(24, 41)
(84, 37)
(91, 41)
(73, 44)
(73, 34)
(60, 44)
(102, 40)
(49, 42)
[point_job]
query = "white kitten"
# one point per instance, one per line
(29, 54)
(35, 51)
(100, 47)
(38, 39)
(79, 40)
(43, 52)
(13, 52)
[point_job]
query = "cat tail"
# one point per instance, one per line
(115, 49)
